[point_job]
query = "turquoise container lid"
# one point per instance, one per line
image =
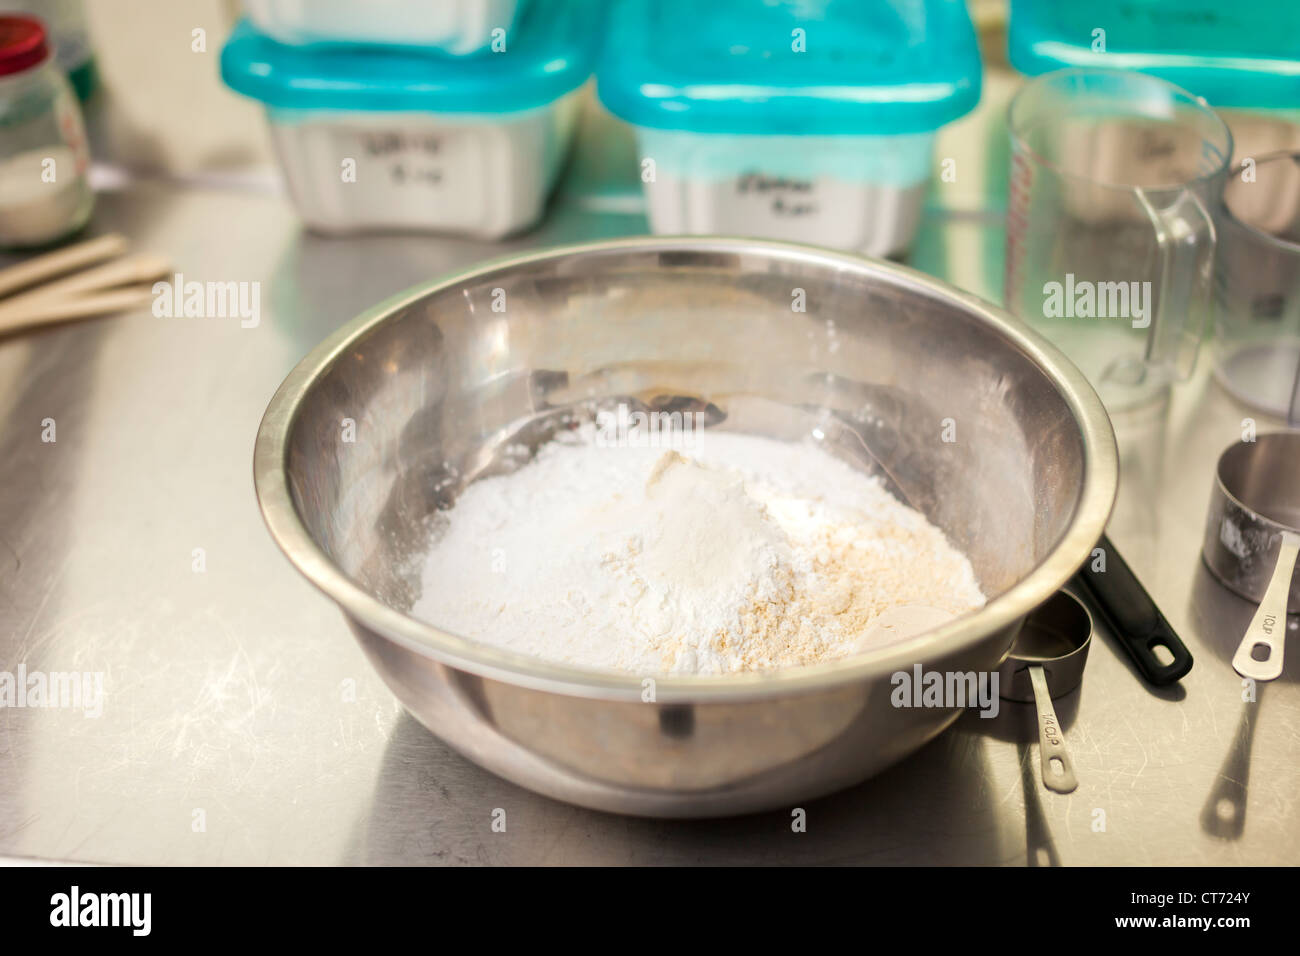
(549, 52)
(1243, 53)
(731, 66)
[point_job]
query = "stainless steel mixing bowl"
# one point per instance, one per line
(380, 427)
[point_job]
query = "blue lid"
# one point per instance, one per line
(549, 52)
(732, 66)
(1242, 53)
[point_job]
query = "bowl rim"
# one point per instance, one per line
(1100, 482)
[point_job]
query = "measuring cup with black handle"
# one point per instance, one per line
(1120, 600)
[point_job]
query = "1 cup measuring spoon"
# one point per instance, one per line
(1047, 661)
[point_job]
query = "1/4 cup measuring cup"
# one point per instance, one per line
(1047, 661)
(1110, 237)
(1257, 285)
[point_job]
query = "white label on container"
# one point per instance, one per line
(782, 197)
(433, 176)
(406, 158)
(823, 210)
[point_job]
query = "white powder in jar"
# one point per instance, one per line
(736, 554)
(43, 196)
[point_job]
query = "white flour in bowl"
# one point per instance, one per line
(738, 553)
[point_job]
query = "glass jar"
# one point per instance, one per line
(44, 191)
(65, 22)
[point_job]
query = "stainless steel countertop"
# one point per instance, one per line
(230, 691)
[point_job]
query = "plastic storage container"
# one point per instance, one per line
(389, 138)
(1242, 54)
(457, 26)
(1244, 58)
(811, 122)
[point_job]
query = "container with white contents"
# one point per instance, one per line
(44, 193)
(374, 138)
(806, 121)
(460, 27)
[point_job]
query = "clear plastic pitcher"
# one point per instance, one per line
(1110, 235)
(1257, 285)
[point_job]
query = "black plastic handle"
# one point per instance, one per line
(1133, 617)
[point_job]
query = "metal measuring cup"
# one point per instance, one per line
(1047, 661)
(1252, 540)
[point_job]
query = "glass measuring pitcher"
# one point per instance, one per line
(1110, 236)
(1257, 285)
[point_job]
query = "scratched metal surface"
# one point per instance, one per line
(226, 690)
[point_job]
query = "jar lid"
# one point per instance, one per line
(22, 44)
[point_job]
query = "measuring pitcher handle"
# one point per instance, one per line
(1185, 233)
